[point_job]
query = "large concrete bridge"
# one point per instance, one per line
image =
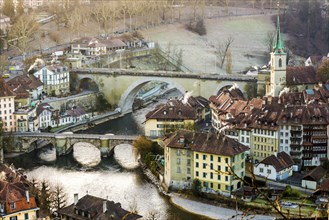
(120, 87)
(63, 142)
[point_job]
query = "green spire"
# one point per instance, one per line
(279, 47)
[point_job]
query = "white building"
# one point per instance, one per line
(55, 78)
(275, 167)
(7, 106)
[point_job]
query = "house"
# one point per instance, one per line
(89, 47)
(228, 104)
(315, 61)
(275, 167)
(91, 207)
(26, 120)
(55, 78)
(246, 193)
(114, 44)
(44, 113)
(322, 194)
(7, 106)
(77, 114)
(16, 202)
(209, 157)
(168, 117)
(313, 178)
(179, 161)
(27, 88)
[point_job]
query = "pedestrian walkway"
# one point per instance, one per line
(212, 211)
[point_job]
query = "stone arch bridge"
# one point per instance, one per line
(120, 86)
(64, 142)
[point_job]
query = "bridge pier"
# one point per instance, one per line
(104, 146)
(61, 145)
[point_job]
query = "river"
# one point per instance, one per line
(108, 179)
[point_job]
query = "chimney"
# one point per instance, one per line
(27, 196)
(75, 198)
(104, 206)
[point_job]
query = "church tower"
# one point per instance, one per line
(278, 63)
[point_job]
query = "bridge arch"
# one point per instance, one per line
(127, 98)
(224, 85)
(88, 83)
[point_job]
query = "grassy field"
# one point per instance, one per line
(248, 48)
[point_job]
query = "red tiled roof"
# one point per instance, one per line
(4, 89)
(301, 75)
(173, 109)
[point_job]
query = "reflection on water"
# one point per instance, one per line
(124, 125)
(106, 179)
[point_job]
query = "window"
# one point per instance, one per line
(211, 166)
(204, 157)
(26, 216)
(227, 188)
(261, 170)
(226, 169)
(178, 152)
(188, 170)
(218, 159)
(218, 177)
(226, 160)
(226, 178)
(218, 168)
(218, 186)
(204, 175)
(204, 165)
(211, 185)
(211, 175)
(13, 218)
(178, 160)
(196, 156)
(197, 164)
(178, 169)
(211, 158)
(268, 171)
(197, 173)
(12, 206)
(188, 162)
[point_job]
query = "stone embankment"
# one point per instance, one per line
(152, 178)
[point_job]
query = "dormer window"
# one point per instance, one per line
(181, 139)
(164, 112)
(12, 206)
(179, 112)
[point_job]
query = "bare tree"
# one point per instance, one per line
(22, 31)
(58, 197)
(269, 40)
(229, 62)
(223, 49)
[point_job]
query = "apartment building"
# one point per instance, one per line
(7, 106)
(55, 78)
(211, 158)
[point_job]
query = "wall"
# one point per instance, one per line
(85, 100)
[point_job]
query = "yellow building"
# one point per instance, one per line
(169, 117)
(178, 162)
(215, 159)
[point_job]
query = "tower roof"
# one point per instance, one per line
(279, 47)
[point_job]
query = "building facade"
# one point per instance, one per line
(55, 78)
(212, 159)
(7, 106)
